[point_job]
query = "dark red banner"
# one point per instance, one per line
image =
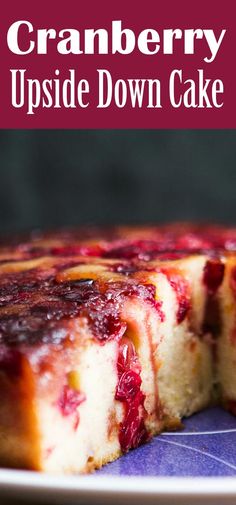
(118, 64)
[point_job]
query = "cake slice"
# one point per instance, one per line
(226, 336)
(108, 337)
(91, 359)
(72, 396)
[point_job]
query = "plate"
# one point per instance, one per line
(192, 466)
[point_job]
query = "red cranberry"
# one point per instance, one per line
(192, 242)
(184, 306)
(141, 249)
(69, 400)
(76, 250)
(128, 385)
(132, 430)
(181, 288)
(213, 274)
(127, 358)
(107, 326)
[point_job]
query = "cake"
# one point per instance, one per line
(110, 336)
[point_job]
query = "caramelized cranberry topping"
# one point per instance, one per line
(41, 302)
(132, 430)
(76, 250)
(32, 302)
(125, 268)
(213, 274)
(191, 242)
(166, 246)
(112, 242)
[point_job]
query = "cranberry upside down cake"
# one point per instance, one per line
(108, 337)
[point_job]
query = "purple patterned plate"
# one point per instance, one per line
(205, 447)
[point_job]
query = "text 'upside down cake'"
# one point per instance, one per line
(108, 337)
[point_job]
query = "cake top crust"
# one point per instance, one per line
(39, 297)
(121, 242)
(50, 278)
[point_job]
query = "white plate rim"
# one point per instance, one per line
(15, 481)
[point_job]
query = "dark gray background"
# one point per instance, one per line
(52, 178)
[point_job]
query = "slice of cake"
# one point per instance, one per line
(107, 337)
(226, 341)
